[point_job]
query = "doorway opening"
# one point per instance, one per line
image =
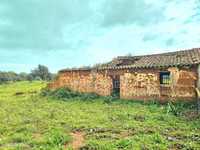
(116, 86)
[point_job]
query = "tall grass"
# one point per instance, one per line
(35, 120)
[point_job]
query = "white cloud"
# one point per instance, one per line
(70, 35)
(180, 10)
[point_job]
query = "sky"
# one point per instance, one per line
(73, 33)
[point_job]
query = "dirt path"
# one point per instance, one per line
(78, 140)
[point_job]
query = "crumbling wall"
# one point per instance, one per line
(140, 85)
(76, 80)
(103, 84)
(183, 83)
(145, 84)
(84, 81)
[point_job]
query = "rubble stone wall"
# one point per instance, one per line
(84, 81)
(184, 82)
(145, 85)
(141, 84)
(76, 80)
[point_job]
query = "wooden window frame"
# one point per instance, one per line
(165, 78)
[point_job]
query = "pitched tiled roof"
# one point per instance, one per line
(171, 59)
(179, 58)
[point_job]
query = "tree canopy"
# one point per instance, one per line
(41, 72)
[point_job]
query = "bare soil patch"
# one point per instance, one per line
(77, 140)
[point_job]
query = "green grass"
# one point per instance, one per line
(30, 121)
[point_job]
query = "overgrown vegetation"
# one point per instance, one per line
(31, 121)
(67, 94)
(177, 108)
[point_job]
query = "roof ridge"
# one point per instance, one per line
(168, 59)
(164, 53)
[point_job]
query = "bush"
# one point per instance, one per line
(88, 96)
(109, 99)
(177, 108)
(65, 93)
(45, 92)
(171, 108)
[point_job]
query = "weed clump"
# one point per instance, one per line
(56, 138)
(65, 93)
(109, 99)
(177, 108)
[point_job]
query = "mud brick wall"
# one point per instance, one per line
(84, 81)
(140, 85)
(145, 85)
(76, 80)
(183, 84)
(103, 84)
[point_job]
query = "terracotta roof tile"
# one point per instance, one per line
(179, 58)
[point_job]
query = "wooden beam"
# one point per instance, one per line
(198, 92)
(198, 89)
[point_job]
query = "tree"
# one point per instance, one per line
(30, 77)
(12, 76)
(41, 72)
(8, 76)
(23, 76)
(3, 77)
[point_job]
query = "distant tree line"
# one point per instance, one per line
(39, 73)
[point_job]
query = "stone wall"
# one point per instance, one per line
(141, 84)
(184, 83)
(84, 81)
(103, 84)
(76, 80)
(145, 85)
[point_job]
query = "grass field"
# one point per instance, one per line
(30, 121)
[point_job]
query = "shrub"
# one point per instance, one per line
(62, 93)
(177, 108)
(171, 108)
(65, 93)
(57, 138)
(45, 92)
(88, 96)
(109, 99)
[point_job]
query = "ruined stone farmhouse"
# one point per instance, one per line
(167, 76)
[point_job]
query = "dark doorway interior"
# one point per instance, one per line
(116, 86)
